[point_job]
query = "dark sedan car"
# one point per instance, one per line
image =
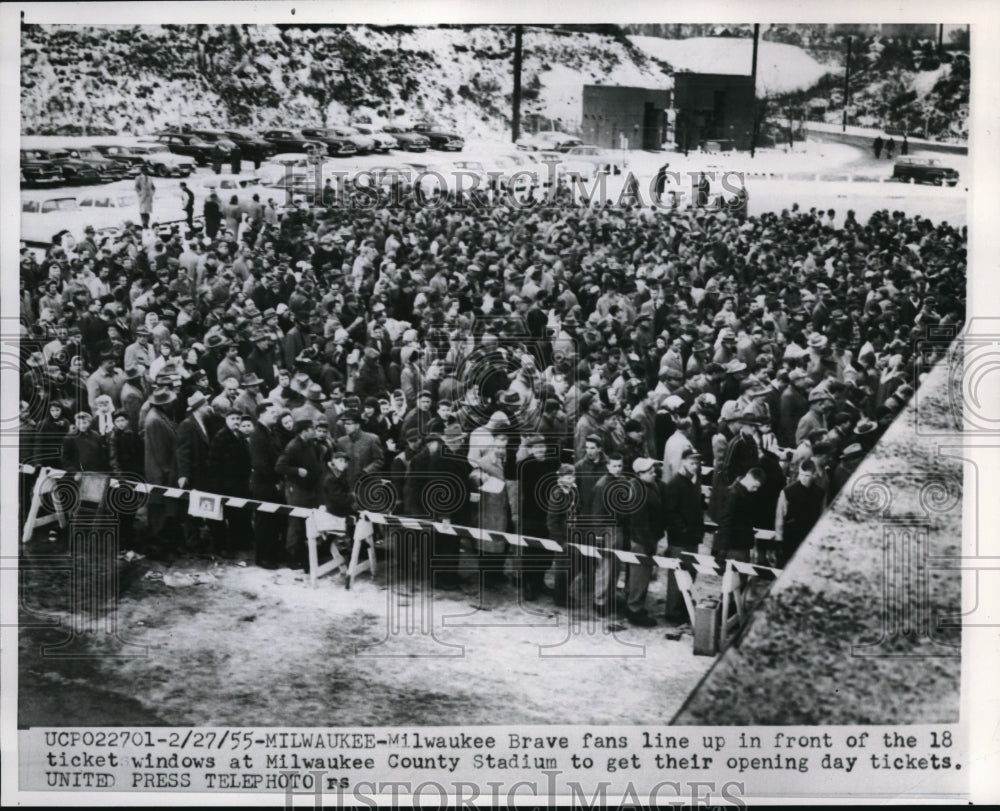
(408, 140)
(440, 138)
(924, 170)
(220, 139)
(108, 169)
(252, 147)
(292, 141)
(337, 146)
(203, 152)
(75, 170)
(37, 170)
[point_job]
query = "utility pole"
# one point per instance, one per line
(516, 117)
(847, 83)
(940, 38)
(753, 87)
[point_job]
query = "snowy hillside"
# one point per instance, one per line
(780, 68)
(130, 79)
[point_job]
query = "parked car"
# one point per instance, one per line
(440, 138)
(187, 143)
(76, 171)
(156, 157)
(292, 141)
(549, 139)
(337, 146)
(220, 139)
(383, 140)
(109, 170)
(603, 160)
(399, 178)
(252, 147)
(365, 144)
(924, 170)
(46, 217)
(407, 139)
(37, 170)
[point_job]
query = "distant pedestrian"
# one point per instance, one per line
(145, 190)
(877, 146)
(890, 147)
(905, 148)
(188, 204)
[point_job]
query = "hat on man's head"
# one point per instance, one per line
(817, 341)
(302, 425)
(864, 426)
(196, 399)
(162, 397)
(314, 393)
(510, 398)
(498, 419)
(642, 464)
(852, 451)
(690, 453)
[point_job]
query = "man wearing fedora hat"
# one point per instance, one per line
(229, 469)
(743, 451)
(311, 406)
(820, 403)
(262, 359)
(302, 469)
(194, 436)
(160, 455)
(793, 405)
(249, 396)
(231, 365)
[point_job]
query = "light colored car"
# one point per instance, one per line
(603, 160)
(160, 161)
(221, 183)
(43, 217)
(549, 139)
(364, 141)
(384, 141)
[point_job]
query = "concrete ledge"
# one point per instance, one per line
(839, 640)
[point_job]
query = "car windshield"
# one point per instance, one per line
(58, 154)
(59, 204)
(153, 148)
(32, 155)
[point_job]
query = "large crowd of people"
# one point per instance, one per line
(607, 375)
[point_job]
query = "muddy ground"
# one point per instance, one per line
(262, 647)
